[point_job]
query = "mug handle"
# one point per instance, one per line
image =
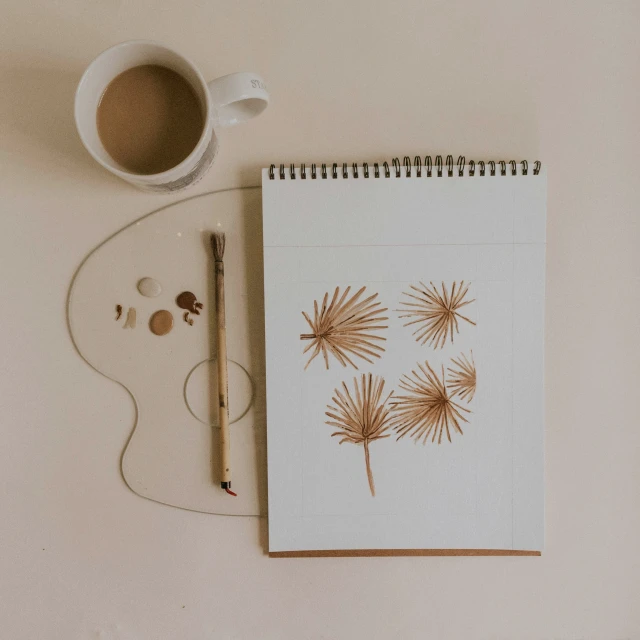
(237, 98)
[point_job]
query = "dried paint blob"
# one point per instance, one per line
(187, 300)
(149, 287)
(161, 322)
(130, 322)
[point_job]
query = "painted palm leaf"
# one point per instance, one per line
(428, 410)
(435, 312)
(462, 377)
(345, 328)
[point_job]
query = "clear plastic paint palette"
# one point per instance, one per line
(166, 360)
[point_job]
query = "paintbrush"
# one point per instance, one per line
(218, 244)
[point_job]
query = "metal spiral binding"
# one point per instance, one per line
(406, 169)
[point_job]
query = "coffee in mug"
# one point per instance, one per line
(149, 119)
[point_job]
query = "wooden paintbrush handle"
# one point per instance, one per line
(223, 382)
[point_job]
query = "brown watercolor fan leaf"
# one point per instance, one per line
(361, 416)
(345, 328)
(428, 410)
(435, 312)
(462, 377)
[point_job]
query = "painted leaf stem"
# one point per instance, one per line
(361, 416)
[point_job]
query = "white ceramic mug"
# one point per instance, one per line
(226, 101)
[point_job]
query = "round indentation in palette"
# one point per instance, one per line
(171, 456)
(201, 391)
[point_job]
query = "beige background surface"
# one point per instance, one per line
(81, 556)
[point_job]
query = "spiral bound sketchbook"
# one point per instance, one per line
(404, 311)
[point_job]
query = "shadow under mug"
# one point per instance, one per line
(226, 101)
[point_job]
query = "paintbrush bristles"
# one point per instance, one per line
(217, 244)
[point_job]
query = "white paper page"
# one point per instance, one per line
(484, 488)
